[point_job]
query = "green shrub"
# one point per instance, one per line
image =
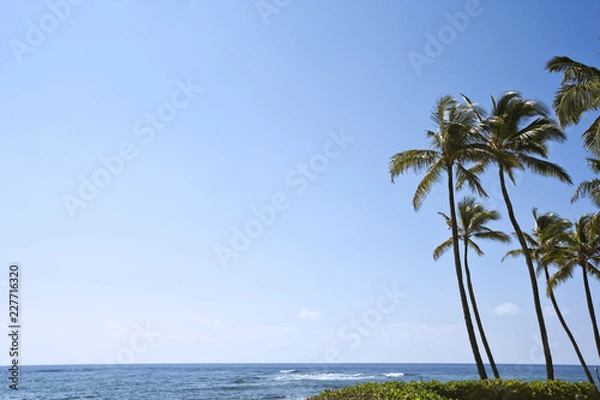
(491, 389)
(380, 391)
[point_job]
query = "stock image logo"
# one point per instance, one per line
(436, 43)
(298, 180)
(39, 30)
(147, 128)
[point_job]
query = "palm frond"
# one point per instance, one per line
(530, 240)
(475, 247)
(477, 110)
(431, 177)
(441, 249)
(591, 137)
(560, 276)
(438, 113)
(545, 168)
(496, 236)
(592, 271)
(512, 254)
(573, 71)
(464, 175)
(578, 93)
(594, 164)
(572, 100)
(417, 160)
(590, 189)
(537, 132)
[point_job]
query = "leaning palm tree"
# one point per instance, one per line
(451, 146)
(582, 250)
(578, 93)
(546, 246)
(516, 135)
(472, 220)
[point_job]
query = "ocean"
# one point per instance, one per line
(237, 381)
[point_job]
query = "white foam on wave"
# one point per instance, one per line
(288, 371)
(323, 377)
(394, 374)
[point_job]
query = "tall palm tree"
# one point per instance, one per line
(472, 220)
(516, 135)
(578, 93)
(451, 146)
(550, 235)
(582, 250)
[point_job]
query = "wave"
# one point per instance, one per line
(323, 377)
(289, 371)
(394, 374)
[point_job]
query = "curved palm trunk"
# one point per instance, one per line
(588, 374)
(588, 296)
(486, 345)
(459, 278)
(532, 277)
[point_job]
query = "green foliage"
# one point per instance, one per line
(578, 93)
(381, 391)
(492, 389)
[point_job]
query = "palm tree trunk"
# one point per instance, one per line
(588, 296)
(532, 277)
(588, 374)
(459, 277)
(486, 346)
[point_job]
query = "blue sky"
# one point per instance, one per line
(216, 111)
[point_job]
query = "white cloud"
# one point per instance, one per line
(506, 309)
(210, 324)
(305, 313)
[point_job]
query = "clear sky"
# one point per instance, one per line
(208, 113)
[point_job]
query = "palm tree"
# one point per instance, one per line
(516, 135)
(550, 236)
(451, 147)
(583, 250)
(590, 188)
(579, 92)
(472, 218)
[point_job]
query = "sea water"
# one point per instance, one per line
(238, 381)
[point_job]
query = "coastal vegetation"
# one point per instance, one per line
(514, 137)
(491, 389)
